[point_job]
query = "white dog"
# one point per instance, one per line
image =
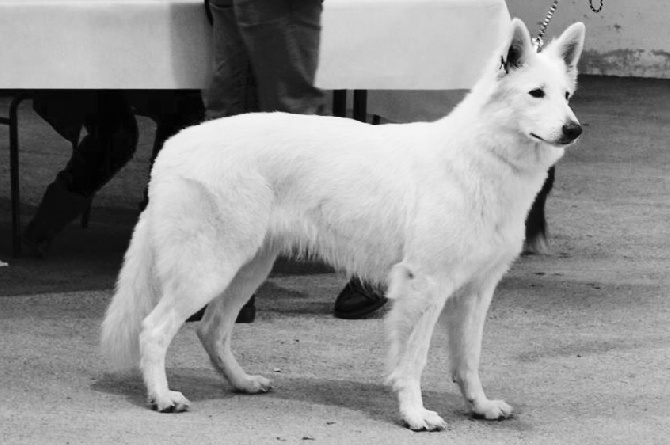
(433, 210)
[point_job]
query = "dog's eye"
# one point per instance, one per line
(567, 95)
(537, 93)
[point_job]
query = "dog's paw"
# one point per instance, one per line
(253, 384)
(173, 402)
(424, 420)
(492, 410)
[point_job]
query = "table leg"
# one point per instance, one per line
(360, 105)
(340, 103)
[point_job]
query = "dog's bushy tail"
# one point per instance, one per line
(136, 295)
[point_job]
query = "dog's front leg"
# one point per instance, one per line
(417, 303)
(465, 317)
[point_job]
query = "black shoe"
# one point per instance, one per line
(33, 248)
(59, 206)
(357, 300)
(247, 313)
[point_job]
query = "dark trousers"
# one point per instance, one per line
(108, 119)
(265, 57)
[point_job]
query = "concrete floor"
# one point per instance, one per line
(578, 341)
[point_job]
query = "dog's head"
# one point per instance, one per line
(534, 88)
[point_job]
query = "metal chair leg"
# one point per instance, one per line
(13, 123)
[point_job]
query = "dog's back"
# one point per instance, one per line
(322, 185)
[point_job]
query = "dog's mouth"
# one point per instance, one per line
(559, 142)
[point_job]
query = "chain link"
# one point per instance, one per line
(538, 41)
(599, 8)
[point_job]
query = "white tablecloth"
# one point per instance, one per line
(138, 44)
(408, 44)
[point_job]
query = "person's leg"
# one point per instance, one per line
(58, 207)
(110, 143)
(232, 89)
(282, 40)
(172, 111)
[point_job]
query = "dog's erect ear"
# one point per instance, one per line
(519, 47)
(569, 45)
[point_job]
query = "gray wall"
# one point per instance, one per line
(627, 38)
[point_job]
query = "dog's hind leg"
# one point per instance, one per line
(204, 235)
(417, 303)
(193, 274)
(465, 316)
(189, 288)
(216, 327)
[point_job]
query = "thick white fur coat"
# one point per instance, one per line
(433, 210)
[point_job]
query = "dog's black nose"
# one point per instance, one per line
(572, 131)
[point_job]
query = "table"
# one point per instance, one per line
(165, 44)
(154, 44)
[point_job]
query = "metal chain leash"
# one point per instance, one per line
(538, 41)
